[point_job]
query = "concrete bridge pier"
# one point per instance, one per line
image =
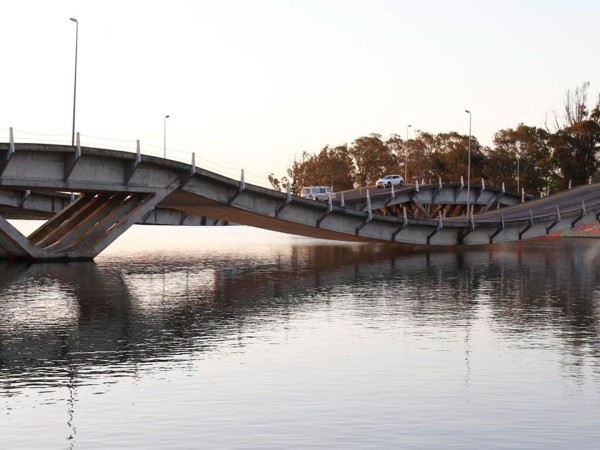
(81, 230)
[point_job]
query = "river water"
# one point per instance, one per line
(236, 338)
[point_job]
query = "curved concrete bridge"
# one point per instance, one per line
(117, 189)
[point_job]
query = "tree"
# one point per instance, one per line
(372, 159)
(422, 157)
(330, 167)
(334, 167)
(525, 156)
(275, 182)
(451, 156)
(576, 139)
(521, 158)
(397, 148)
(299, 172)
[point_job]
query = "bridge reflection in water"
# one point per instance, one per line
(117, 316)
(205, 345)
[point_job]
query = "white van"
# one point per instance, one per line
(320, 193)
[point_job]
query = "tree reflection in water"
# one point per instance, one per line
(73, 320)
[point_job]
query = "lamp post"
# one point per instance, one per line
(406, 156)
(518, 174)
(75, 78)
(469, 168)
(165, 135)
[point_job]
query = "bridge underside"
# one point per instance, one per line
(79, 231)
(43, 205)
(92, 196)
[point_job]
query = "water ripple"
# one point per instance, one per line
(305, 346)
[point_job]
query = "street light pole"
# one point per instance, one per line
(518, 175)
(406, 156)
(469, 168)
(75, 78)
(165, 135)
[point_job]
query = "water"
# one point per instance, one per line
(235, 338)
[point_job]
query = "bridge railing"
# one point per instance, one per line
(130, 145)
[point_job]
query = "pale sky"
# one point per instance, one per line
(251, 84)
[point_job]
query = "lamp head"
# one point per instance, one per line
(467, 111)
(167, 116)
(73, 20)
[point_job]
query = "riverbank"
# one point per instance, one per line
(590, 230)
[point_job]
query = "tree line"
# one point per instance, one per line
(539, 160)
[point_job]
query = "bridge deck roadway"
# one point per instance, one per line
(427, 201)
(564, 200)
(117, 189)
(426, 192)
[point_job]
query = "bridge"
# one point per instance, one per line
(90, 196)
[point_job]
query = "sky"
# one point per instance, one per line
(251, 84)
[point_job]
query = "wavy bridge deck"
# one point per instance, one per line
(113, 190)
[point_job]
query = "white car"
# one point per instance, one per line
(320, 193)
(389, 181)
